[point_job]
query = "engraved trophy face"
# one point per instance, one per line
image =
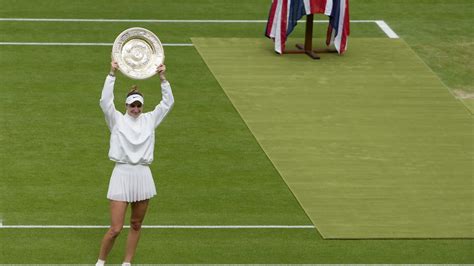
(138, 53)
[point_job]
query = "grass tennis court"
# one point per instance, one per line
(209, 166)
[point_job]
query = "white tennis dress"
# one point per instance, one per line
(132, 142)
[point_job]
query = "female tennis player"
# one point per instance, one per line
(132, 141)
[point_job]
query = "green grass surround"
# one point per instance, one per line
(230, 246)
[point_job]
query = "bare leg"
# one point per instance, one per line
(138, 214)
(117, 217)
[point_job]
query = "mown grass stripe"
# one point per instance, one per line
(161, 226)
(79, 44)
(157, 20)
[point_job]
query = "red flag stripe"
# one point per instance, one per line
(271, 18)
(284, 23)
(318, 6)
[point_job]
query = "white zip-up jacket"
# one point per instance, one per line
(132, 140)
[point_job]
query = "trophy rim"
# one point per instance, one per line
(138, 33)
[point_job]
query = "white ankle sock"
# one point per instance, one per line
(100, 262)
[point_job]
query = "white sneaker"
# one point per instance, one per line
(100, 263)
(126, 264)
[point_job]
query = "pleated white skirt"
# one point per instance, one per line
(131, 183)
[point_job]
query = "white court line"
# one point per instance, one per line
(161, 226)
(388, 31)
(382, 24)
(156, 20)
(79, 44)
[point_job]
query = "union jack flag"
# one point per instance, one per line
(284, 15)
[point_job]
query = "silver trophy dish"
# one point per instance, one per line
(138, 53)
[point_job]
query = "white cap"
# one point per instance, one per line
(134, 98)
